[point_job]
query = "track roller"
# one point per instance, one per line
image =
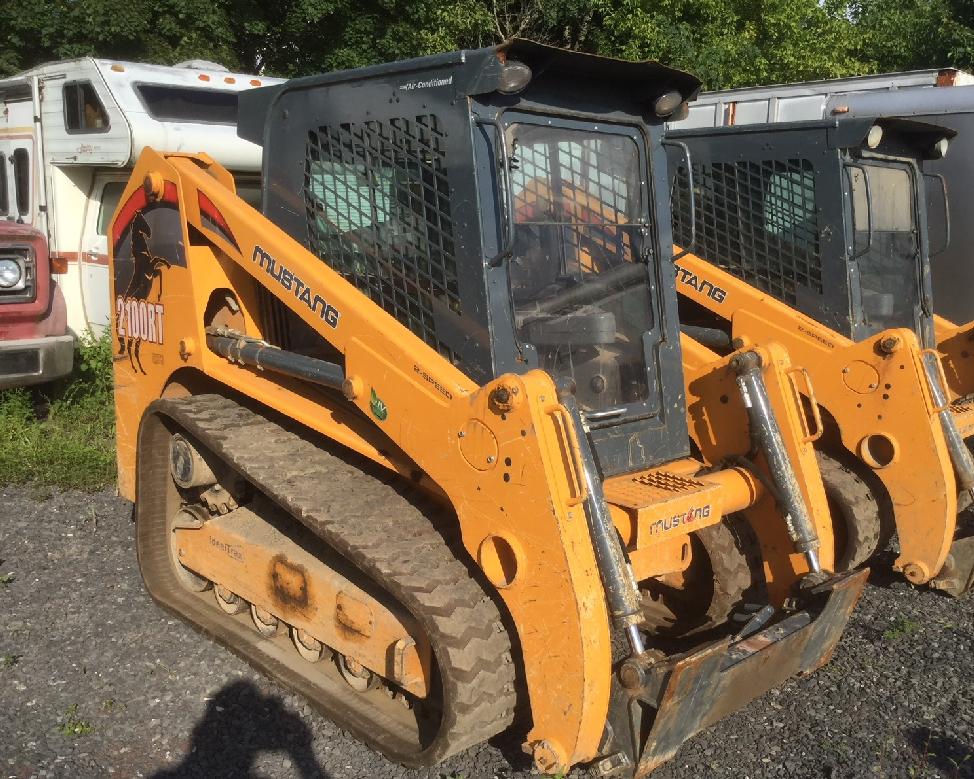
(228, 601)
(310, 648)
(265, 622)
(358, 677)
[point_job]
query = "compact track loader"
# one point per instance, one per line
(815, 234)
(420, 440)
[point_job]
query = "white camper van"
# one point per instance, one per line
(70, 133)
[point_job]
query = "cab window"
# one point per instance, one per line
(83, 111)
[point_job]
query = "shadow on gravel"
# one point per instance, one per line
(952, 757)
(238, 724)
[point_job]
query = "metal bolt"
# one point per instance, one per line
(461, 434)
(631, 675)
(914, 573)
(873, 386)
(846, 369)
(889, 344)
(490, 458)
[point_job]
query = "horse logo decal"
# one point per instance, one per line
(147, 239)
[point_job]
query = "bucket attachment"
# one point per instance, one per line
(658, 704)
(957, 575)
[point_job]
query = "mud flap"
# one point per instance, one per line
(957, 575)
(668, 701)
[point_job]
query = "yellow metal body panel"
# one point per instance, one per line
(868, 391)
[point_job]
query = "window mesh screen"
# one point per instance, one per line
(378, 211)
(756, 220)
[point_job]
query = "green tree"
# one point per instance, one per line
(728, 43)
(915, 34)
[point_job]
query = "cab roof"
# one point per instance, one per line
(475, 71)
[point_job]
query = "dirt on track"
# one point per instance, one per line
(97, 681)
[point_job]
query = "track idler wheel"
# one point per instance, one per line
(725, 572)
(186, 517)
(855, 514)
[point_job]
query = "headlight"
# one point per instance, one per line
(667, 103)
(874, 137)
(10, 274)
(514, 77)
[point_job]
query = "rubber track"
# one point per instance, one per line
(851, 496)
(375, 523)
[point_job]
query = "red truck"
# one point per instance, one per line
(35, 345)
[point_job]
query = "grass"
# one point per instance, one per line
(902, 627)
(62, 433)
(73, 726)
(9, 661)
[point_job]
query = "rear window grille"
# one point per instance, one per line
(756, 220)
(377, 201)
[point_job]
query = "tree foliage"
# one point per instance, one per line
(727, 43)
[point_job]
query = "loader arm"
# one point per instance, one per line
(876, 392)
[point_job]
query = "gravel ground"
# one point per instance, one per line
(95, 680)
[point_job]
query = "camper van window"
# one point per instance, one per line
(110, 195)
(186, 104)
(22, 180)
(83, 111)
(4, 202)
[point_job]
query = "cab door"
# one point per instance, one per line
(93, 253)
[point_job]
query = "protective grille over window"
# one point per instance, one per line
(756, 220)
(378, 209)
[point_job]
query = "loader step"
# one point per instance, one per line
(392, 536)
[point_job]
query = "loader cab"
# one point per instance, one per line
(510, 207)
(831, 217)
